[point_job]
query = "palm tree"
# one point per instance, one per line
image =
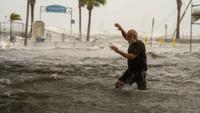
(80, 5)
(13, 17)
(90, 5)
(32, 4)
(27, 18)
(179, 4)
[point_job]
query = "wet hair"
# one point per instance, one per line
(133, 33)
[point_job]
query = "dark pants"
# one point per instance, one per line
(129, 77)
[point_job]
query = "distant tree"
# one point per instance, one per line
(13, 17)
(179, 4)
(90, 4)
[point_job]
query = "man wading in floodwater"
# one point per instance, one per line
(137, 64)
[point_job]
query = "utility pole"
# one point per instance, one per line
(166, 27)
(151, 39)
(191, 27)
(80, 19)
(179, 4)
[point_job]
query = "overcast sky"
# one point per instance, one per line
(136, 14)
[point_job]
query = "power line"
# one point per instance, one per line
(163, 22)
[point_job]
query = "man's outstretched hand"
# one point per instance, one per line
(114, 48)
(118, 26)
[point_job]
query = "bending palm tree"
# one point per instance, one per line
(90, 5)
(13, 17)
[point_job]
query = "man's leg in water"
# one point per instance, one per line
(123, 79)
(119, 84)
(141, 80)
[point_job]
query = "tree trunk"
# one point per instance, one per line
(11, 31)
(89, 25)
(32, 15)
(27, 18)
(80, 21)
(179, 3)
(178, 25)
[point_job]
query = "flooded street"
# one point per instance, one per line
(65, 56)
(74, 80)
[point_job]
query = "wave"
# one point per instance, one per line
(5, 81)
(155, 55)
(163, 65)
(39, 79)
(23, 102)
(22, 95)
(196, 54)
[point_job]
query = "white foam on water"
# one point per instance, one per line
(5, 81)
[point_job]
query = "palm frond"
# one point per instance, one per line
(82, 3)
(102, 2)
(14, 17)
(94, 3)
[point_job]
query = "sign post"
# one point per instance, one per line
(58, 9)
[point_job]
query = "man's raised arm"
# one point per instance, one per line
(121, 29)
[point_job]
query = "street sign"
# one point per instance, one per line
(56, 9)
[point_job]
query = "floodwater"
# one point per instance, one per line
(81, 80)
